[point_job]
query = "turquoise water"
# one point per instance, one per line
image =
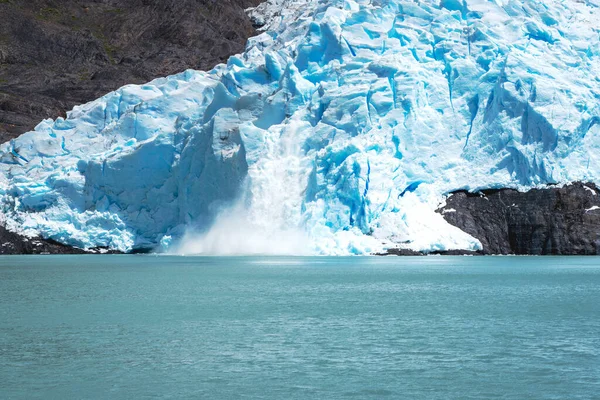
(136, 327)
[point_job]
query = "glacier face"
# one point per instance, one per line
(347, 121)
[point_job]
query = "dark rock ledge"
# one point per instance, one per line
(551, 221)
(12, 243)
(413, 253)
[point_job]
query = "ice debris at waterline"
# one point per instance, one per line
(346, 121)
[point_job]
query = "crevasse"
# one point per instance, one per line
(348, 121)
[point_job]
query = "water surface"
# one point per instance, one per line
(135, 327)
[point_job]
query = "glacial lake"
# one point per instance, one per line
(137, 327)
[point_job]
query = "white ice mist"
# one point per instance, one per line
(233, 234)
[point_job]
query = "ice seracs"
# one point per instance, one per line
(346, 121)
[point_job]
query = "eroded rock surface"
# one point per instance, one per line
(12, 243)
(57, 54)
(554, 221)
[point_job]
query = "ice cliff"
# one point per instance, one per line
(345, 122)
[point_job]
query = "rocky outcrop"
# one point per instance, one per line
(553, 221)
(413, 253)
(57, 54)
(11, 243)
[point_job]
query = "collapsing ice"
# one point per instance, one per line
(342, 127)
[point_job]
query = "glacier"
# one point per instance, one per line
(343, 127)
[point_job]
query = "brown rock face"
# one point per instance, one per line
(55, 54)
(557, 221)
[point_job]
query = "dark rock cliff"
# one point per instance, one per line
(55, 54)
(540, 222)
(11, 243)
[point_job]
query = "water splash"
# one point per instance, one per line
(234, 233)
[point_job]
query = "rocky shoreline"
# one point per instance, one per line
(550, 221)
(413, 253)
(13, 244)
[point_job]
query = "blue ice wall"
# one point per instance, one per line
(346, 120)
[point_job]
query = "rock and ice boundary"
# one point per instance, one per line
(342, 126)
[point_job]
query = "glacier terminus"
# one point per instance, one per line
(339, 130)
